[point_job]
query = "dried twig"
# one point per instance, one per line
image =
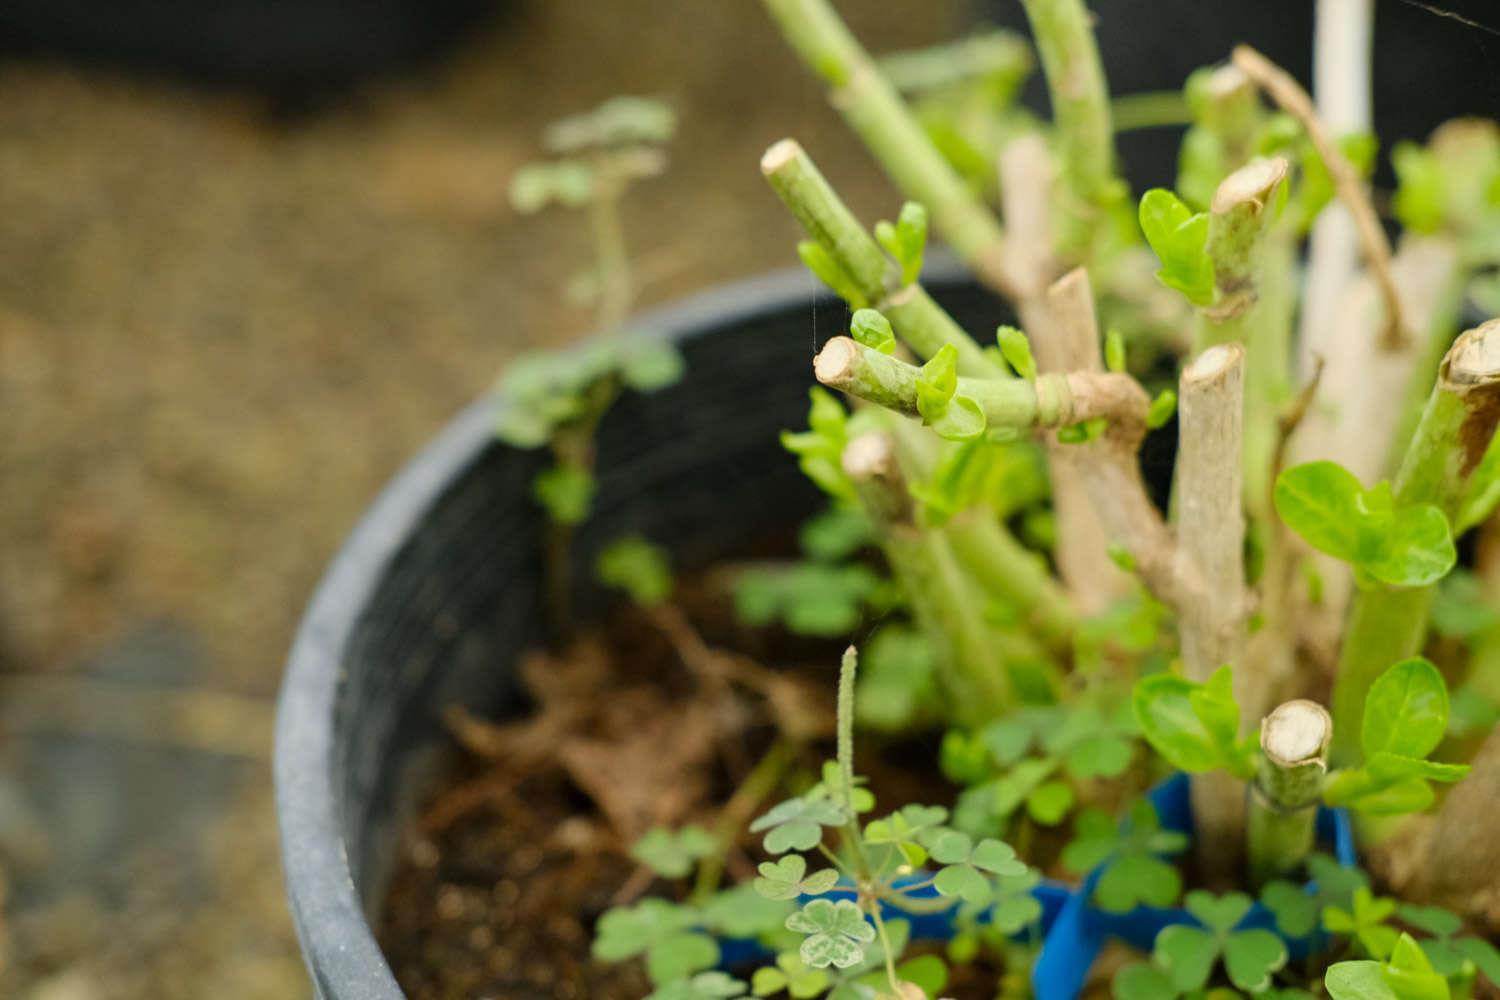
(1283, 88)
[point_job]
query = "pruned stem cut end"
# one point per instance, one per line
(1474, 359)
(1297, 732)
(1253, 184)
(835, 363)
(779, 155)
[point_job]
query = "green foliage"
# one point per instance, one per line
(742, 912)
(1006, 477)
(788, 878)
(809, 598)
(565, 492)
(1162, 409)
(830, 272)
(1365, 922)
(1323, 502)
(1179, 238)
(672, 853)
(820, 448)
(797, 824)
(1405, 718)
(968, 866)
(1134, 872)
(1114, 351)
(1016, 349)
(1194, 726)
(836, 933)
(873, 330)
(898, 680)
(905, 831)
(1184, 956)
(665, 933)
(1456, 958)
(545, 392)
(623, 120)
(954, 417)
(637, 567)
(703, 986)
(1408, 975)
(1460, 609)
(906, 241)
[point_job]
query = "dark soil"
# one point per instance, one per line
(515, 856)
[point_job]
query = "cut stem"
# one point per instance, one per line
(1211, 575)
(1284, 799)
(919, 321)
(1050, 401)
(1389, 623)
(1064, 34)
(892, 133)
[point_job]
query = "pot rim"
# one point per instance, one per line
(337, 942)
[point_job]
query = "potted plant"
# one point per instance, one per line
(1285, 625)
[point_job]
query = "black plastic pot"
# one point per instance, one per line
(437, 591)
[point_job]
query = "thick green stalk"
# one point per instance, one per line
(947, 606)
(1389, 623)
(1284, 799)
(920, 321)
(1049, 401)
(1064, 34)
(1015, 574)
(892, 133)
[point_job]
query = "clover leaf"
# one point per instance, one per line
(1194, 726)
(703, 986)
(1404, 546)
(672, 853)
(968, 866)
(1133, 873)
(904, 829)
(742, 912)
(1184, 956)
(1447, 952)
(1365, 922)
(797, 824)
(1293, 907)
(1179, 238)
(836, 933)
(662, 931)
(787, 878)
(792, 975)
(809, 598)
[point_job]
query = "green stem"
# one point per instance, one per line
(756, 787)
(1064, 34)
(1150, 109)
(1006, 568)
(920, 321)
(1052, 400)
(885, 946)
(611, 257)
(1389, 623)
(892, 133)
(847, 669)
(1284, 798)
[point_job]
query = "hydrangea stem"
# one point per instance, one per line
(920, 321)
(1050, 401)
(1064, 34)
(1284, 798)
(944, 601)
(1389, 623)
(1245, 307)
(892, 133)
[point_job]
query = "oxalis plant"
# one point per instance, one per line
(1292, 627)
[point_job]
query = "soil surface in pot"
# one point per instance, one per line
(657, 718)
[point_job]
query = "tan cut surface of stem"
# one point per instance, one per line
(1296, 732)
